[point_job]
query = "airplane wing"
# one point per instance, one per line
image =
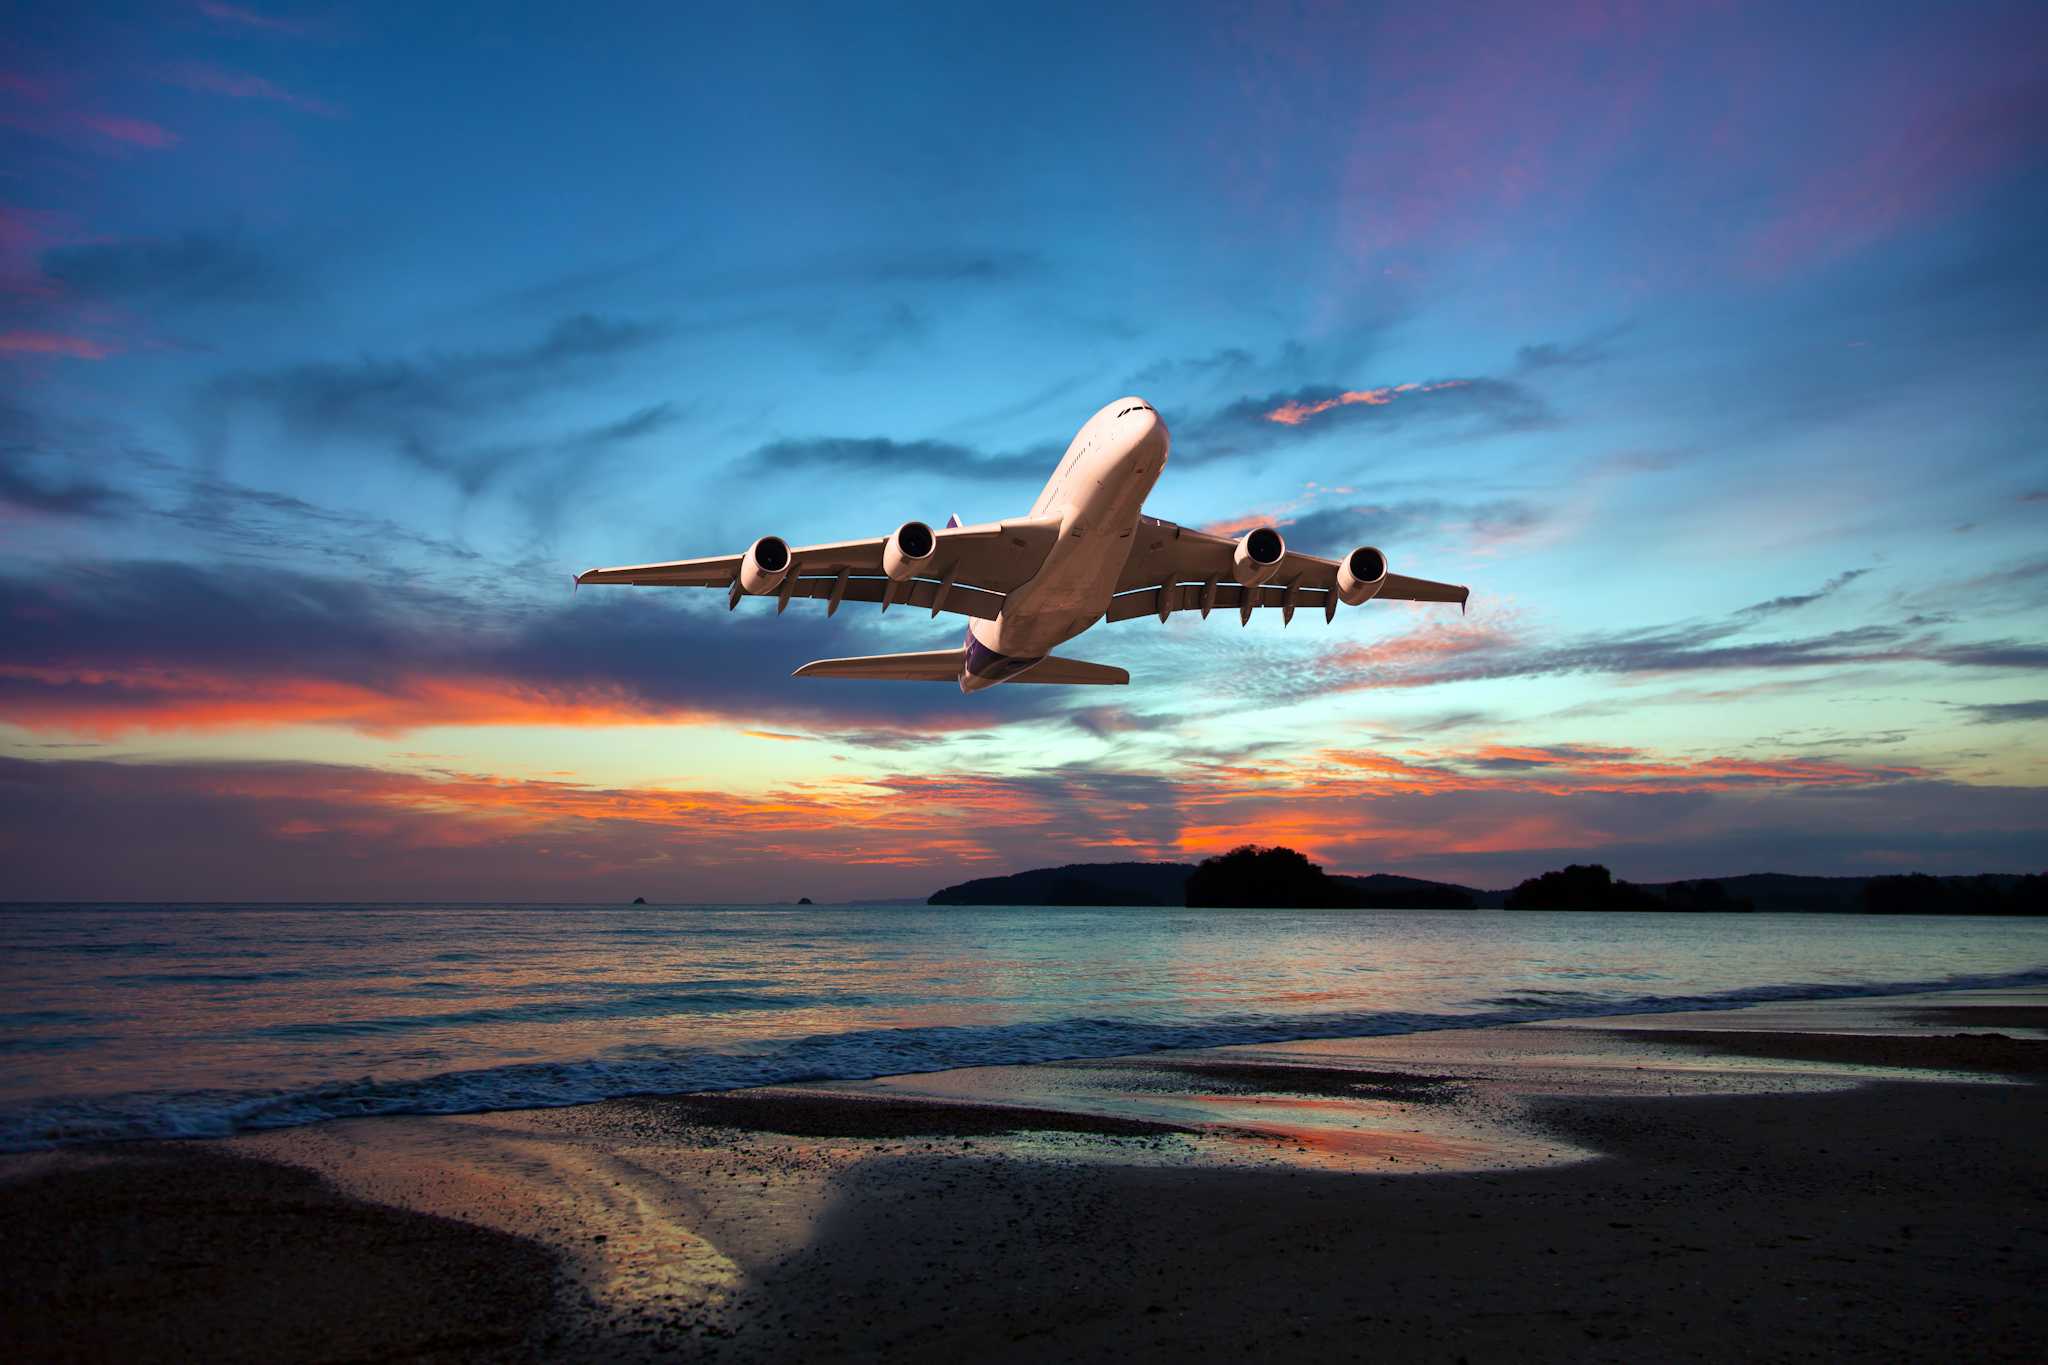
(970, 572)
(1177, 568)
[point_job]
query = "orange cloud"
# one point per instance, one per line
(1331, 803)
(1294, 414)
(104, 702)
(1432, 648)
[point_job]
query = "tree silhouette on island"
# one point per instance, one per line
(1250, 877)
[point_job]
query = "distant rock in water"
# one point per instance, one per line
(803, 900)
(1251, 877)
(639, 900)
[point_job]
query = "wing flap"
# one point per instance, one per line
(918, 592)
(1166, 558)
(1229, 597)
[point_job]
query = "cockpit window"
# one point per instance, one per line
(1136, 407)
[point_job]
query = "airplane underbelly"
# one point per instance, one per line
(1069, 595)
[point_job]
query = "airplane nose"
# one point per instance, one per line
(1150, 447)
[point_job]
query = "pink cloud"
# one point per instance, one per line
(54, 343)
(217, 80)
(248, 18)
(133, 131)
(1294, 414)
(1913, 153)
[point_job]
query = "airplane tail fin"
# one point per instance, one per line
(943, 665)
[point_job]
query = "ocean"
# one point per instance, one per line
(125, 1021)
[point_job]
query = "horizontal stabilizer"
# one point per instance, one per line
(943, 665)
(934, 665)
(1054, 669)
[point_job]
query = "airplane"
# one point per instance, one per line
(1086, 552)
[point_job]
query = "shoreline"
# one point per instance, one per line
(1635, 1186)
(187, 1117)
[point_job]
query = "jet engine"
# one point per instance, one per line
(909, 549)
(765, 565)
(1360, 576)
(1258, 556)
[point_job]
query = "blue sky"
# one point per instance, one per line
(338, 337)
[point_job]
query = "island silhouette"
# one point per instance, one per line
(1252, 876)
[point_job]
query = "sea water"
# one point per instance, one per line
(136, 1021)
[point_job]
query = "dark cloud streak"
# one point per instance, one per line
(649, 648)
(1793, 603)
(193, 269)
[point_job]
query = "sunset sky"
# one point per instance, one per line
(338, 337)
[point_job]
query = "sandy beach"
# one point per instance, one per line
(1849, 1179)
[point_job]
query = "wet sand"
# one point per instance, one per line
(1862, 1179)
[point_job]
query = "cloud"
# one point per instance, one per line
(71, 495)
(26, 491)
(1484, 813)
(421, 408)
(473, 469)
(1382, 524)
(1936, 143)
(163, 647)
(262, 523)
(238, 16)
(54, 343)
(1296, 411)
(2005, 712)
(942, 265)
(1243, 426)
(195, 268)
(207, 78)
(327, 832)
(1476, 649)
(1784, 604)
(1229, 362)
(1576, 355)
(1469, 408)
(134, 132)
(380, 396)
(881, 455)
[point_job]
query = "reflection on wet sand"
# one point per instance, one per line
(1201, 1199)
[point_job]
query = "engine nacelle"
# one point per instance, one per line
(1258, 556)
(1361, 576)
(765, 565)
(910, 548)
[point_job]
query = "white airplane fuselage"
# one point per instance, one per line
(1097, 492)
